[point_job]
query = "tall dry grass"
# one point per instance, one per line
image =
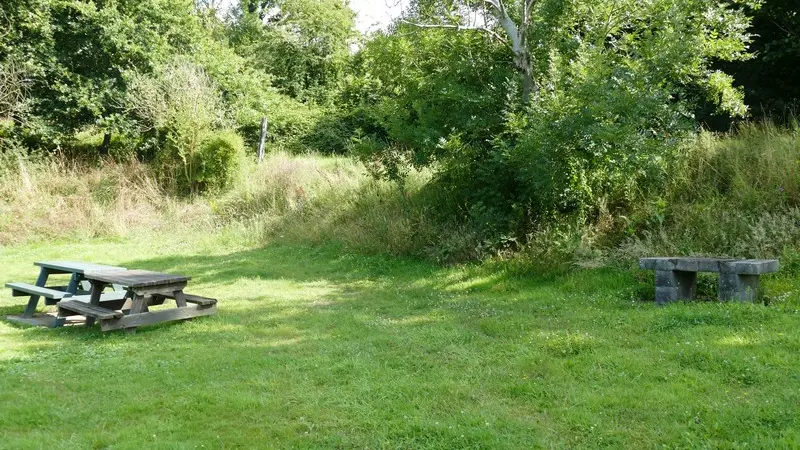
(317, 199)
(736, 195)
(57, 199)
(308, 199)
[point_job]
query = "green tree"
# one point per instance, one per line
(303, 44)
(618, 81)
(517, 24)
(77, 53)
(416, 89)
(536, 31)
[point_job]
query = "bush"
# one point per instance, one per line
(182, 104)
(608, 140)
(218, 161)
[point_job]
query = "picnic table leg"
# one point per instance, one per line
(139, 306)
(74, 281)
(180, 299)
(97, 291)
(34, 300)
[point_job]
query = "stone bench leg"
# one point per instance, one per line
(672, 285)
(733, 286)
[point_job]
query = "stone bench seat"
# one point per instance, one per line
(676, 277)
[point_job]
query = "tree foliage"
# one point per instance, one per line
(619, 80)
(303, 44)
(771, 81)
(77, 53)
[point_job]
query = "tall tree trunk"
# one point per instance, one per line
(528, 87)
(518, 41)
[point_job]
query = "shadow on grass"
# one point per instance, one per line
(295, 296)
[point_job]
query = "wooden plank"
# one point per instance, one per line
(167, 289)
(94, 299)
(88, 310)
(150, 318)
(139, 304)
(25, 289)
(136, 278)
(74, 266)
(74, 280)
(180, 299)
(38, 320)
(107, 297)
(196, 299)
(33, 301)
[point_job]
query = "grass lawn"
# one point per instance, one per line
(313, 348)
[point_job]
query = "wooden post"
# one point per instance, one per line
(264, 125)
(105, 145)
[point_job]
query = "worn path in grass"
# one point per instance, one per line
(317, 349)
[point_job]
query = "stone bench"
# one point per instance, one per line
(676, 278)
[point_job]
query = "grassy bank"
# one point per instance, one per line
(736, 195)
(317, 347)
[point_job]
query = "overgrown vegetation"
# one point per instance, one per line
(579, 143)
(554, 141)
(729, 197)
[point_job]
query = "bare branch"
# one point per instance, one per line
(527, 9)
(488, 31)
(13, 88)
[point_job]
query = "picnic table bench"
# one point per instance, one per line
(144, 289)
(676, 277)
(54, 294)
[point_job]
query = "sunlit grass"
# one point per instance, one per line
(315, 347)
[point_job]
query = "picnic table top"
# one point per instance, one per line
(136, 278)
(75, 267)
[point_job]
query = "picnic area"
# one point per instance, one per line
(313, 347)
(127, 307)
(399, 224)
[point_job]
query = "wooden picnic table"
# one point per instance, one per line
(145, 288)
(53, 294)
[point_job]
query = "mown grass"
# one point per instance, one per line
(316, 347)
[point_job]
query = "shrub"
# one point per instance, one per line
(181, 103)
(218, 161)
(608, 140)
